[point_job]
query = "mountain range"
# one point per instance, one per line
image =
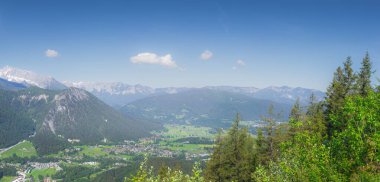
(118, 94)
(54, 119)
(54, 114)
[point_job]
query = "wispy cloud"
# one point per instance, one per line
(206, 55)
(239, 63)
(51, 53)
(152, 58)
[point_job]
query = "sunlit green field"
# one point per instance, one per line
(173, 131)
(42, 172)
(7, 179)
(24, 149)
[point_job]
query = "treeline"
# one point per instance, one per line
(337, 139)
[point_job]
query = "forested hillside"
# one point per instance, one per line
(204, 107)
(51, 119)
(337, 139)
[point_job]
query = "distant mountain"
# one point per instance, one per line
(29, 78)
(115, 94)
(286, 94)
(240, 90)
(7, 85)
(207, 107)
(59, 117)
(119, 94)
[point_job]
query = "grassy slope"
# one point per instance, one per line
(7, 179)
(23, 149)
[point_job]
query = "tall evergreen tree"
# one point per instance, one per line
(349, 77)
(315, 116)
(261, 148)
(232, 159)
(214, 165)
(336, 93)
(364, 77)
(295, 117)
(270, 130)
(296, 111)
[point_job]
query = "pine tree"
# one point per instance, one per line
(295, 118)
(335, 92)
(232, 159)
(296, 112)
(270, 132)
(261, 148)
(214, 165)
(335, 100)
(364, 77)
(315, 116)
(349, 77)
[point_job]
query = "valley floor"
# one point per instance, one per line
(174, 142)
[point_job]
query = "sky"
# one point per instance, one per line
(191, 43)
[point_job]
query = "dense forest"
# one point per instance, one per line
(337, 139)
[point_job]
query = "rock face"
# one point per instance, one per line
(71, 114)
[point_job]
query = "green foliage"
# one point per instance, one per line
(359, 143)
(304, 159)
(315, 118)
(145, 174)
(8, 171)
(232, 159)
(364, 76)
(46, 143)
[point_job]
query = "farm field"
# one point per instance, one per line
(36, 173)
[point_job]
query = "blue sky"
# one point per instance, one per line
(160, 43)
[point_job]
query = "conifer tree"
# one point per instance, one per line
(315, 116)
(295, 118)
(232, 159)
(349, 77)
(214, 165)
(270, 132)
(296, 112)
(335, 99)
(261, 148)
(364, 77)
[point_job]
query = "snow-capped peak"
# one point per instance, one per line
(30, 78)
(113, 88)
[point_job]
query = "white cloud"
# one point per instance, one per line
(51, 53)
(152, 58)
(206, 55)
(240, 62)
